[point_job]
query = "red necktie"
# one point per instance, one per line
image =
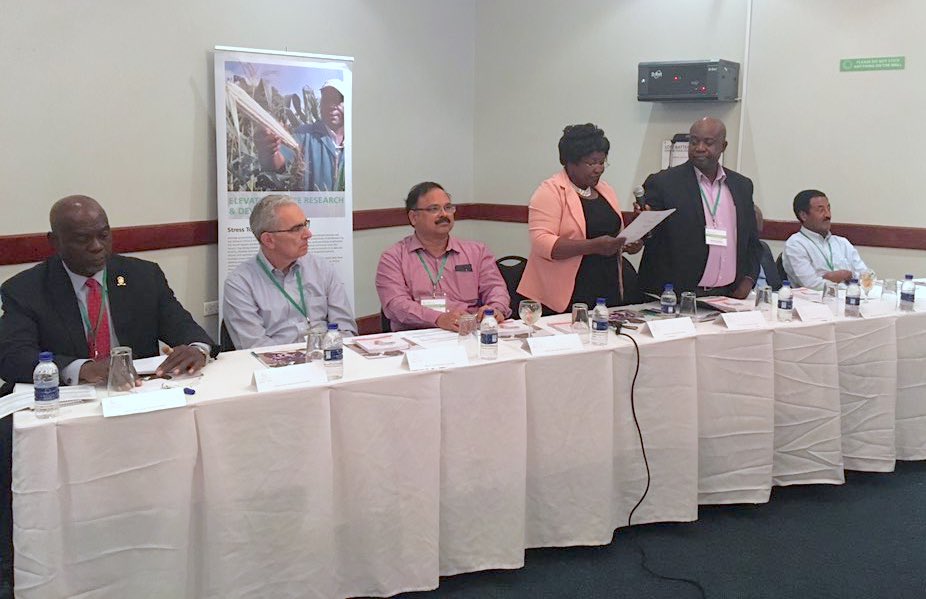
(98, 339)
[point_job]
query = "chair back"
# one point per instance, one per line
(225, 340)
(512, 269)
(781, 269)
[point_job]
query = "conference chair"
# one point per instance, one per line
(384, 323)
(781, 269)
(512, 269)
(225, 340)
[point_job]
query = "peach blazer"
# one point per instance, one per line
(556, 211)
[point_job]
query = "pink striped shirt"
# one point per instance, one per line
(720, 269)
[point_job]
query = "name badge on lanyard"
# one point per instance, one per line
(437, 301)
(715, 236)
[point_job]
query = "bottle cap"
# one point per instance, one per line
(669, 287)
(786, 282)
(46, 356)
(489, 312)
(332, 326)
(908, 277)
(853, 281)
(601, 300)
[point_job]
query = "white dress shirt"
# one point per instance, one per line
(808, 256)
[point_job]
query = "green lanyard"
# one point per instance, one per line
(440, 272)
(85, 316)
(829, 261)
(713, 210)
(273, 280)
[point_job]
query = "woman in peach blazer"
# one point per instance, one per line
(574, 219)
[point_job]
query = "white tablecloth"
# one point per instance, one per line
(386, 480)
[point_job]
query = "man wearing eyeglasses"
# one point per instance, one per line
(275, 297)
(430, 279)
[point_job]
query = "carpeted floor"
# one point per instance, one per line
(865, 539)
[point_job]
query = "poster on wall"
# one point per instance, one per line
(283, 126)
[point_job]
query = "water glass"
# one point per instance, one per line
(689, 305)
(889, 293)
(469, 335)
(764, 301)
(866, 281)
(831, 296)
(122, 373)
(529, 311)
(313, 342)
(580, 322)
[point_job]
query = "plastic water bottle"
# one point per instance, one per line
(333, 348)
(668, 300)
(488, 336)
(785, 302)
(853, 299)
(45, 378)
(600, 317)
(907, 294)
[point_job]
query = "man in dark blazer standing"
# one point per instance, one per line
(47, 308)
(709, 245)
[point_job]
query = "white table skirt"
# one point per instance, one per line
(386, 480)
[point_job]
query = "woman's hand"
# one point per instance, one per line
(607, 245)
(633, 248)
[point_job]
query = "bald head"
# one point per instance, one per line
(707, 141)
(80, 234)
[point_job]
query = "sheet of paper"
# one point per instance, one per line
(381, 343)
(644, 222)
(813, 312)
(742, 321)
(139, 403)
(148, 365)
(875, 309)
(671, 328)
(67, 394)
(433, 358)
(554, 344)
(289, 377)
(510, 328)
(15, 402)
(430, 337)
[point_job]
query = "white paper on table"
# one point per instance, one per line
(148, 365)
(670, 328)
(381, 343)
(431, 337)
(742, 321)
(875, 308)
(15, 402)
(289, 377)
(813, 312)
(434, 358)
(554, 344)
(643, 223)
(139, 403)
(67, 394)
(510, 328)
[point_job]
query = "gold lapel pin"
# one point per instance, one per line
(120, 281)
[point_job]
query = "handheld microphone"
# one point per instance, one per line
(638, 196)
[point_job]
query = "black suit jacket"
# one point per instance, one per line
(772, 277)
(676, 253)
(40, 313)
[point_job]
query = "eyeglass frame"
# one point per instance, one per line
(435, 209)
(603, 164)
(294, 229)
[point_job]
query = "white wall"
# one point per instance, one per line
(114, 99)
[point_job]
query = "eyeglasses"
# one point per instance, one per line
(294, 229)
(435, 209)
(603, 164)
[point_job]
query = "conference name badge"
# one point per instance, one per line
(716, 237)
(435, 303)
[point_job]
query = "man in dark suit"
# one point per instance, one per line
(710, 244)
(50, 307)
(768, 270)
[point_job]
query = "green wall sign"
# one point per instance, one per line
(875, 63)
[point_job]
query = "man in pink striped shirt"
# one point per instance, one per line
(430, 279)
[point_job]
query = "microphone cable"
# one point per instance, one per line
(636, 422)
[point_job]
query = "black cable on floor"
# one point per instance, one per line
(635, 540)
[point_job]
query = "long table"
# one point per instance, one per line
(387, 479)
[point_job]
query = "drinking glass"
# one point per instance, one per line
(469, 336)
(689, 305)
(122, 373)
(764, 301)
(313, 342)
(580, 323)
(529, 311)
(831, 296)
(889, 292)
(866, 281)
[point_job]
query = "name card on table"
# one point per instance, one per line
(671, 328)
(290, 377)
(813, 312)
(434, 358)
(139, 403)
(554, 344)
(743, 321)
(875, 308)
